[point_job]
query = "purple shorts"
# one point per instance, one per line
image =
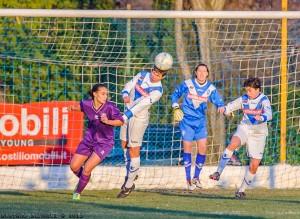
(102, 150)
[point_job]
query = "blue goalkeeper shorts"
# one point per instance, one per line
(193, 132)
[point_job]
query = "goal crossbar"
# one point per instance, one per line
(148, 14)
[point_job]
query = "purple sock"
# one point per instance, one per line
(78, 172)
(83, 181)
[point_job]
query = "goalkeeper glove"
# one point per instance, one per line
(177, 114)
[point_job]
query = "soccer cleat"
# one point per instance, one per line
(197, 183)
(126, 191)
(76, 196)
(234, 161)
(215, 176)
(126, 178)
(190, 185)
(240, 195)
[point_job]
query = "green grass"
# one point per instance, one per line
(216, 203)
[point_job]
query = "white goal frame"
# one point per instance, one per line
(154, 173)
(148, 14)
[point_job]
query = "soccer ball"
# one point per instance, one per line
(163, 61)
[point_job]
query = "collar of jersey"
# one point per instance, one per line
(97, 110)
(200, 85)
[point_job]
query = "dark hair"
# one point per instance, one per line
(199, 65)
(96, 88)
(253, 82)
(164, 73)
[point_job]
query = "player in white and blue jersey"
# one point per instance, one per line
(196, 92)
(139, 95)
(251, 131)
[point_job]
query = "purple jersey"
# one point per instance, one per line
(98, 132)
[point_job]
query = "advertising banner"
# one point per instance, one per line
(39, 133)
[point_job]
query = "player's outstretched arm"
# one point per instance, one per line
(180, 89)
(216, 99)
(144, 103)
(233, 106)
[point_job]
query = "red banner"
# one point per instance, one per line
(39, 133)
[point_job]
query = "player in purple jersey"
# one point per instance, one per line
(98, 140)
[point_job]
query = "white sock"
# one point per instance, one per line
(248, 179)
(124, 154)
(133, 171)
(227, 154)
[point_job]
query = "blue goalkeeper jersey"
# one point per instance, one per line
(195, 98)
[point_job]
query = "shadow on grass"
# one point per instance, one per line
(164, 212)
(205, 195)
(185, 193)
(13, 193)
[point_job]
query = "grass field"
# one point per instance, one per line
(151, 204)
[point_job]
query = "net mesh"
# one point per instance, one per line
(48, 62)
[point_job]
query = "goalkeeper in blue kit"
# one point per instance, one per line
(196, 92)
(252, 131)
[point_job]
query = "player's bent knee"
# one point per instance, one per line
(87, 171)
(235, 143)
(74, 166)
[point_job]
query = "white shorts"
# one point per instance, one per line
(254, 138)
(133, 132)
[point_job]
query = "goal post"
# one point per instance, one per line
(51, 58)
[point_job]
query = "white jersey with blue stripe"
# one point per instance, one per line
(195, 98)
(143, 93)
(251, 107)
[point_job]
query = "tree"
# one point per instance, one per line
(215, 121)
(180, 46)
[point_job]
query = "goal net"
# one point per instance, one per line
(48, 63)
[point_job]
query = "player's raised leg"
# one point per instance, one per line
(235, 143)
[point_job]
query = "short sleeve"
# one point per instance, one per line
(115, 113)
